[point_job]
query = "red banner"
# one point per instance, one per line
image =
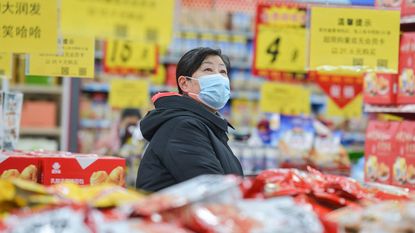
(341, 89)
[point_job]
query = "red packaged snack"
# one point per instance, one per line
(406, 87)
(380, 88)
(404, 164)
(249, 216)
(83, 170)
(19, 165)
(380, 150)
(408, 8)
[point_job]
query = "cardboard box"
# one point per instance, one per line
(406, 87)
(19, 165)
(82, 169)
(408, 8)
(380, 151)
(380, 88)
(39, 114)
(404, 164)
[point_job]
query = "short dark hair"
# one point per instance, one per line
(192, 60)
(129, 112)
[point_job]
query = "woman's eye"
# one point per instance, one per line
(224, 72)
(208, 69)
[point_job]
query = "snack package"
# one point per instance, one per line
(83, 170)
(381, 150)
(251, 216)
(404, 164)
(328, 154)
(406, 87)
(19, 165)
(388, 216)
(205, 188)
(70, 219)
(380, 88)
(295, 140)
(408, 8)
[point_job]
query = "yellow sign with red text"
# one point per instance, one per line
(130, 55)
(352, 110)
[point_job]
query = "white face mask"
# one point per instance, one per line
(214, 90)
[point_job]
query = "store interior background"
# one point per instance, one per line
(73, 114)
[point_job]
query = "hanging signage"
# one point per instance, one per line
(285, 99)
(341, 89)
(77, 59)
(29, 26)
(352, 110)
(141, 20)
(129, 55)
(6, 65)
(280, 39)
(127, 93)
(352, 39)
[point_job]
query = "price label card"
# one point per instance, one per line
(356, 40)
(352, 110)
(6, 65)
(285, 99)
(120, 19)
(125, 93)
(28, 26)
(77, 60)
(280, 39)
(130, 55)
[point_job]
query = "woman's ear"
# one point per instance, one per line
(183, 84)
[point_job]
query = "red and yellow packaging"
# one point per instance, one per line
(18, 165)
(83, 170)
(380, 88)
(404, 164)
(406, 87)
(381, 149)
(408, 8)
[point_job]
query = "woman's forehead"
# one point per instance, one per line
(213, 60)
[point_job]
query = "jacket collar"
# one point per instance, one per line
(173, 100)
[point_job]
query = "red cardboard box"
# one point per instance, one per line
(408, 8)
(39, 114)
(19, 165)
(83, 170)
(406, 89)
(380, 88)
(380, 150)
(404, 164)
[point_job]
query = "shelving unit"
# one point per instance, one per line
(37, 89)
(32, 131)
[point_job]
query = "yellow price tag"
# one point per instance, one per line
(6, 65)
(351, 110)
(125, 93)
(120, 19)
(130, 55)
(281, 49)
(357, 40)
(29, 26)
(77, 60)
(285, 99)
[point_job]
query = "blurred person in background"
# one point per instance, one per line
(187, 136)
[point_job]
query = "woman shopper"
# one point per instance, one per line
(187, 136)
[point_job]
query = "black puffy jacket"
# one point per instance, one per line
(186, 140)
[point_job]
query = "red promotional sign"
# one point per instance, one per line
(341, 89)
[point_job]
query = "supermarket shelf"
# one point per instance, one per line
(33, 131)
(408, 108)
(247, 34)
(37, 89)
(101, 124)
(234, 64)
